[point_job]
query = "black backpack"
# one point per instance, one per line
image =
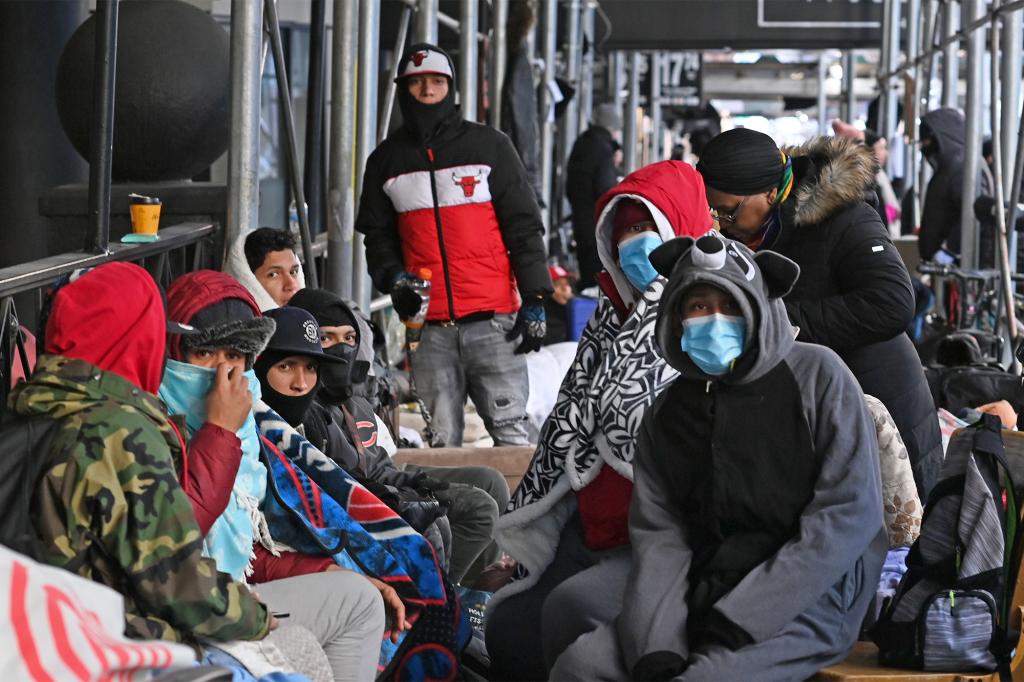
(951, 611)
(25, 456)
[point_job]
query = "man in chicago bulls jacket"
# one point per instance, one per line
(452, 196)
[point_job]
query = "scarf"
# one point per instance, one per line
(772, 226)
(230, 540)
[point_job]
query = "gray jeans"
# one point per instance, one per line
(473, 359)
(474, 497)
(342, 609)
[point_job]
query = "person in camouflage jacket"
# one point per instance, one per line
(112, 509)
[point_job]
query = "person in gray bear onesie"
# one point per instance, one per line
(756, 518)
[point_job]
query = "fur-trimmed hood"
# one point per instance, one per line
(829, 173)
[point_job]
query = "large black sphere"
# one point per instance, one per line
(172, 93)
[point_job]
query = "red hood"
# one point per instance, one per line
(674, 187)
(112, 317)
(192, 292)
(675, 194)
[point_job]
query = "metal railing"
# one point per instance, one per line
(180, 249)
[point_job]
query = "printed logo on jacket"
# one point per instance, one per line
(456, 186)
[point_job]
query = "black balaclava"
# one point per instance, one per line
(292, 408)
(424, 119)
(336, 379)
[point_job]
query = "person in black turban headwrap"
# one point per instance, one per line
(747, 179)
(814, 205)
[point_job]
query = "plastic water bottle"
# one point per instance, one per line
(414, 325)
(293, 218)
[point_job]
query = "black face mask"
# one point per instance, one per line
(292, 409)
(424, 119)
(338, 378)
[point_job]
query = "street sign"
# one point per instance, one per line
(681, 78)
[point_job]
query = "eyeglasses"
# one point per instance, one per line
(730, 218)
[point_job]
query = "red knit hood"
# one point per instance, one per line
(112, 317)
(192, 292)
(674, 194)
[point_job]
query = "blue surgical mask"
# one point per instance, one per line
(634, 259)
(713, 342)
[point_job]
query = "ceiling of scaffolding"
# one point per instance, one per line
(742, 24)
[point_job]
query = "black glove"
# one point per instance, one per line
(720, 631)
(531, 324)
(422, 481)
(659, 666)
(985, 209)
(405, 300)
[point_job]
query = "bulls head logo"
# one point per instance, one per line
(418, 57)
(468, 183)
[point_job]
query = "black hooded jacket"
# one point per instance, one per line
(453, 145)
(854, 293)
(940, 217)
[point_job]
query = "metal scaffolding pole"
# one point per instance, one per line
(341, 200)
(911, 152)
(468, 65)
(1014, 195)
(1010, 78)
(849, 86)
(890, 100)
(570, 120)
(822, 93)
(950, 57)
(617, 69)
(291, 143)
(928, 36)
(366, 137)
(101, 148)
(586, 91)
(1006, 280)
(547, 130)
(972, 10)
(499, 58)
(654, 104)
(629, 132)
(313, 162)
(392, 86)
(426, 22)
(243, 152)
(1013, 26)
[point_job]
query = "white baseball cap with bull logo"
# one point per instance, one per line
(425, 60)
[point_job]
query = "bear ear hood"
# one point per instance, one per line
(757, 282)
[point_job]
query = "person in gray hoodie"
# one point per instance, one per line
(756, 518)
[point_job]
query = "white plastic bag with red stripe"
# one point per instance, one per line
(58, 626)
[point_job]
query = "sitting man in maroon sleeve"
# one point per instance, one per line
(210, 382)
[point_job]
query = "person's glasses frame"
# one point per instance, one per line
(730, 218)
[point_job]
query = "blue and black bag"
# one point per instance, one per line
(951, 611)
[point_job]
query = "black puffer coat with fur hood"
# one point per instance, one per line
(854, 293)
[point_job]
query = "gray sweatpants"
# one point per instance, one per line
(819, 637)
(342, 609)
(475, 497)
(580, 590)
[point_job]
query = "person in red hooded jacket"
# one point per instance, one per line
(567, 522)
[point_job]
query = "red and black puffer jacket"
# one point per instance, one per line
(460, 205)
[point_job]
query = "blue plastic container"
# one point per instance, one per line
(579, 311)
